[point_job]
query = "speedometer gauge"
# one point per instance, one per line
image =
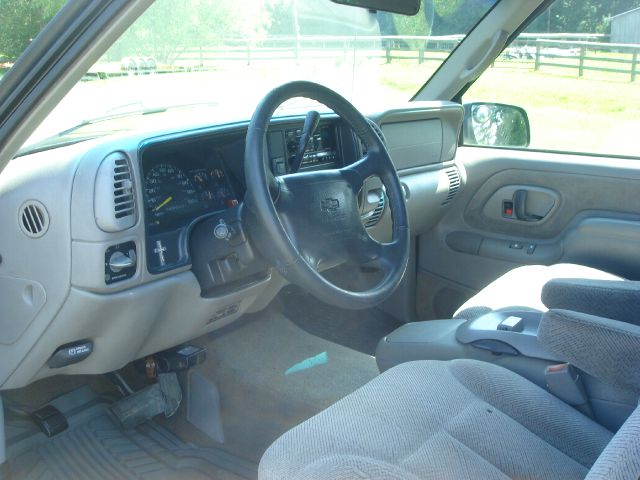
(168, 191)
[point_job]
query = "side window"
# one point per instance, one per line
(574, 76)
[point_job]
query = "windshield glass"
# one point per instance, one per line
(192, 58)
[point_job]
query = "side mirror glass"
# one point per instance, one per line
(495, 125)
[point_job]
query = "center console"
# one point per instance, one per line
(509, 338)
(506, 338)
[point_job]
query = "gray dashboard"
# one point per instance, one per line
(95, 272)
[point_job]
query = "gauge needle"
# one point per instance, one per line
(166, 200)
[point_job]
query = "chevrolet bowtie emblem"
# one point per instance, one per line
(329, 205)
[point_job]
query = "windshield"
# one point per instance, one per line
(224, 55)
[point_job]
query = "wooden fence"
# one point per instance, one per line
(580, 52)
(583, 56)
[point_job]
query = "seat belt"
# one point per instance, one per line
(563, 380)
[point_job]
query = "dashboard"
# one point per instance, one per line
(186, 179)
(140, 244)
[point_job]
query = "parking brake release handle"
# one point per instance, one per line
(520, 207)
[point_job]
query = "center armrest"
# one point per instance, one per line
(615, 299)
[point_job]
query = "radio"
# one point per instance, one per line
(321, 151)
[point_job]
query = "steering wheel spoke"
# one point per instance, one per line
(382, 255)
(358, 172)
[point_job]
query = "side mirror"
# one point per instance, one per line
(495, 125)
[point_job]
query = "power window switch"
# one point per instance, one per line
(516, 245)
(531, 248)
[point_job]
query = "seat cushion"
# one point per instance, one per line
(440, 420)
(521, 288)
(621, 459)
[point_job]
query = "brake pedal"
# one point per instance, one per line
(50, 420)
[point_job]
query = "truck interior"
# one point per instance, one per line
(330, 260)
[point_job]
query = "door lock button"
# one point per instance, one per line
(507, 208)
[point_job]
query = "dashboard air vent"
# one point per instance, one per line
(372, 218)
(123, 201)
(454, 184)
(115, 201)
(34, 219)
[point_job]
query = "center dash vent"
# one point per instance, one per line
(372, 218)
(454, 184)
(115, 201)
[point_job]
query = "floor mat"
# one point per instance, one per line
(94, 446)
(272, 375)
(357, 329)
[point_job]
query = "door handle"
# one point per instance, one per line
(520, 207)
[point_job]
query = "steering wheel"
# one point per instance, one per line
(305, 222)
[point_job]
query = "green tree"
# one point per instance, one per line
(169, 27)
(416, 25)
(21, 22)
(580, 16)
(281, 13)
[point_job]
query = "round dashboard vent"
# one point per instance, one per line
(34, 219)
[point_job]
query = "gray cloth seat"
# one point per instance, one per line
(521, 288)
(452, 420)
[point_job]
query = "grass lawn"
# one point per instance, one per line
(588, 114)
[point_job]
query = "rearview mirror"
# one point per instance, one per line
(495, 125)
(405, 7)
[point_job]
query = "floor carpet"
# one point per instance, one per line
(272, 375)
(95, 447)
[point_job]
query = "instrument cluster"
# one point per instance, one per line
(183, 181)
(175, 194)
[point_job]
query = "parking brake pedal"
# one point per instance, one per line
(50, 420)
(163, 397)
